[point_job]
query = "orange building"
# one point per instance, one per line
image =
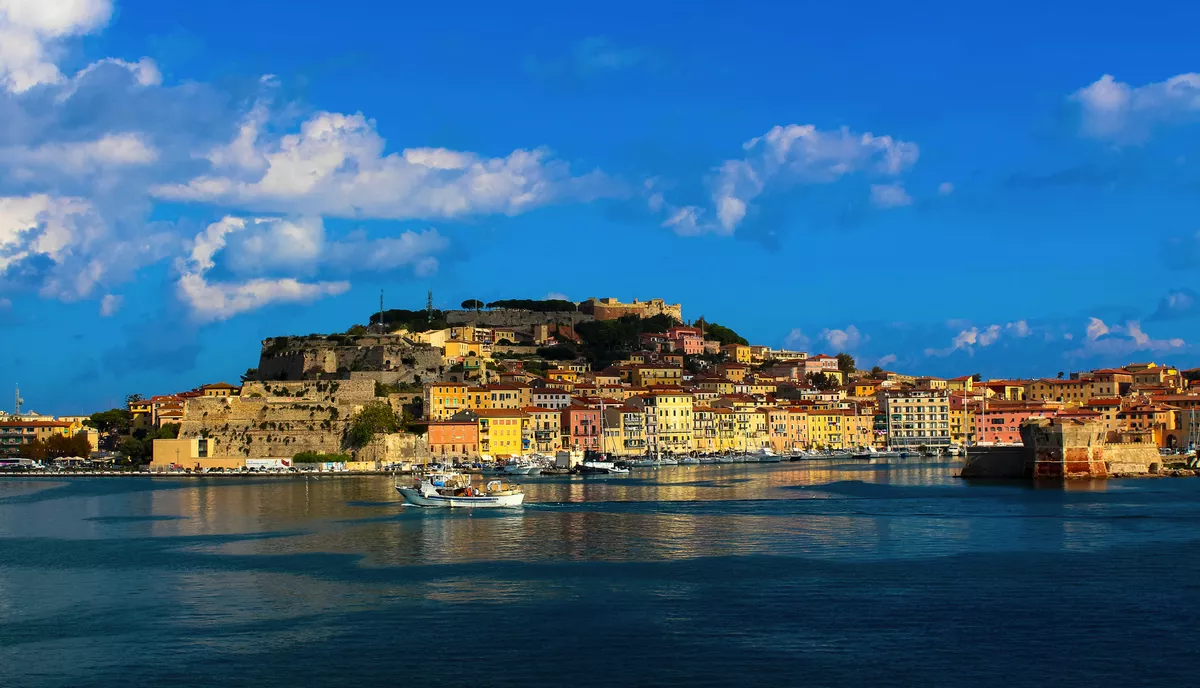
(453, 438)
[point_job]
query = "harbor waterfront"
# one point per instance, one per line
(808, 573)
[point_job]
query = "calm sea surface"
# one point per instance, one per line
(758, 575)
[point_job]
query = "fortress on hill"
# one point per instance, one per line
(611, 309)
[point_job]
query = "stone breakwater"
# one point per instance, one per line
(1068, 448)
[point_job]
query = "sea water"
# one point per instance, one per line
(800, 574)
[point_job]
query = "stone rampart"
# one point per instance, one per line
(502, 317)
(340, 356)
(1064, 448)
(1132, 458)
(995, 462)
(281, 419)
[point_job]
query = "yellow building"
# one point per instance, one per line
(755, 388)
(194, 453)
(863, 388)
(1069, 392)
(962, 421)
(455, 351)
(719, 385)
(655, 376)
(562, 375)
(734, 371)
(624, 431)
(544, 428)
(668, 420)
(220, 389)
(966, 383)
(827, 428)
(502, 432)
(777, 428)
(461, 333)
(751, 428)
(798, 428)
(443, 400)
(704, 429)
(736, 352)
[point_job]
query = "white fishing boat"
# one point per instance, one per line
(766, 455)
(602, 468)
(668, 461)
(518, 468)
(448, 489)
(725, 459)
(689, 461)
(643, 463)
(708, 460)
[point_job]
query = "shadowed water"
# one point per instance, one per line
(817, 575)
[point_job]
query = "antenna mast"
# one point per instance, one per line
(429, 306)
(19, 401)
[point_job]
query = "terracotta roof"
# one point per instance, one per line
(35, 424)
(498, 413)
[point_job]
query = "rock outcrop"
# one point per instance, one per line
(386, 358)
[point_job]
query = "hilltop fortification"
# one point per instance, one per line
(386, 358)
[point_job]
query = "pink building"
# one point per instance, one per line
(581, 428)
(686, 340)
(998, 422)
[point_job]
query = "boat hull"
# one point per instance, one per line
(415, 498)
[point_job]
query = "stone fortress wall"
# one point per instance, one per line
(1062, 448)
(503, 317)
(281, 419)
(387, 358)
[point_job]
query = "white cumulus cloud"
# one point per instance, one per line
(890, 195)
(1117, 111)
(210, 301)
(843, 340)
(1111, 342)
(796, 339)
(269, 254)
(336, 165)
(110, 304)
(789, 155)
(31, 32)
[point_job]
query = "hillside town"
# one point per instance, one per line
(512, 378)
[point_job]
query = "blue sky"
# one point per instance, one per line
(940, 189)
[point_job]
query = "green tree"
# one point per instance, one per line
(845, 363)
(131, 398)
(472, 305)
(36, 450)
(876, 371)
(558, 352)
(356, 331)
(719, 333)
(375, 418)
(977, 377)
(821, 381)
(113, 421)
(135, 451)
(250, 375)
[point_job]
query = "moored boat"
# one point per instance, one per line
(449, 489)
